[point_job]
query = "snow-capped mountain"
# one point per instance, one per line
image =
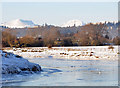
(73, 23)
(19, 23)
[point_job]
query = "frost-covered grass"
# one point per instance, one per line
(82, 53)
(15, 64)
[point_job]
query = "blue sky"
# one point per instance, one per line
(59, 12)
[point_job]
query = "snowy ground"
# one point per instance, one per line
(68, 66)
(82, 53)
(14, 64)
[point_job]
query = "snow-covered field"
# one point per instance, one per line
(82, 53)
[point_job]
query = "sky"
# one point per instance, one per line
(57, 13)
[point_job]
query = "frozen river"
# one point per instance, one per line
(64, 72)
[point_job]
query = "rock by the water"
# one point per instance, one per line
(14, 64)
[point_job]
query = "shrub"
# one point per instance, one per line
(110, 47)
(49, 46)
(24, 50)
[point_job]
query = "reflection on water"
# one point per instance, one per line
(60, 72)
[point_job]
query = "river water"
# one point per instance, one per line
(64, 72)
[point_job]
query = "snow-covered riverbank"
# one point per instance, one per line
(63, 66)
(14, 64)
(82, 53)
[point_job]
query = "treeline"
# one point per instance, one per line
(88, 35)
